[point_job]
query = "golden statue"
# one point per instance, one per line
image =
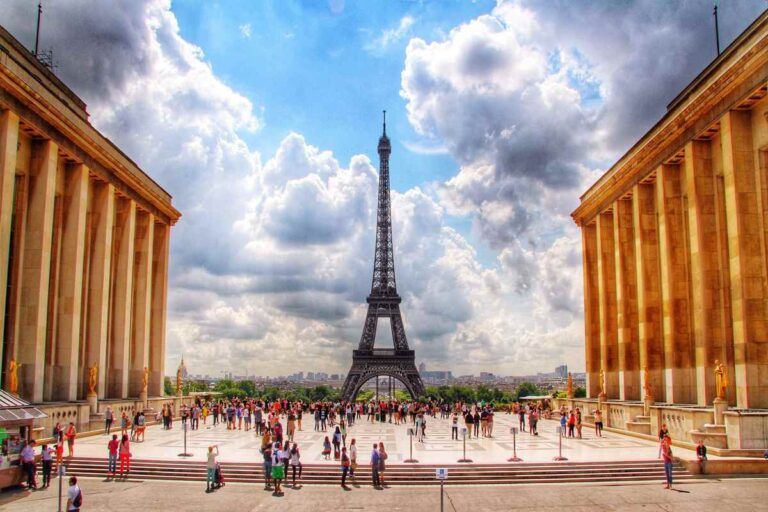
(93, 376)
(570, 385)
(646, 384)
(721, 380)
(179, 379)
(13, 379)
(145, 379)
(602, 381)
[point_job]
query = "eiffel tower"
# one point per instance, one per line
(383, 302)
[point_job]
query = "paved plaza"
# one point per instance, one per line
(242, 446)
(698, 496)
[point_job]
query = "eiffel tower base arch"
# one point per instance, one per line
(368, 364)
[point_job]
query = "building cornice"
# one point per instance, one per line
(729, 79)
(40, 107)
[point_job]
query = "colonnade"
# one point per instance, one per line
(83, 274)
(676, 273)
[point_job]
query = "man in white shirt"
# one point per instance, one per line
(28, 463)
(74, 496)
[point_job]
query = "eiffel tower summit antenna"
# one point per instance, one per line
(383, 302)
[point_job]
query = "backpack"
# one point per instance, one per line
(78, 501)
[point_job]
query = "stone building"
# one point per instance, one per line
(84, 240)
(675, 243)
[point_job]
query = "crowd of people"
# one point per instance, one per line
(276, 422)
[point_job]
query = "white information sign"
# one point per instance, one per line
(441, 473)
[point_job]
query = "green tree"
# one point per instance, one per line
(527, 389)
(168, 388)
(580, 392)
(224, 384)
(248, 387)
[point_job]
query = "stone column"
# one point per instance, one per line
(122, 297)
(9, 137)
(606, 266)
(69, 304)
(102, 213)
(748, 294)
(161, 247)
(142, 305)
(651, 341)
(705, 270)
(36, 266)
(626, 299)
(678, 350)
(591, 308)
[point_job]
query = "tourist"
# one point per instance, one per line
(70, 435)
(59, 452)
(490, 421)
(299, 413)
(468, 421)
(666, 452)
(455, 426)
(46, 456)
(345, 466)
(257, 419)
(291, 424)
(336, 444)
(58, 432)
(598, 423)
(266, 452)
(327, 448)
(663, 432)
(215, 412)
(352, 457)
(563, 424)
(382, 463)
(476, 422)
(210, 466)
(27, 457)
(419, 431)
(484, 422)
(375, 463)
(295, 460)
(578, 422)
(277, 430)
(74, 495)
(141, 426)
(195, 417)
(701, 455)
(247, 419)
(112, 448)
(124, 424)
(125, 455)
(278, 470)
(521, 417)
(109, 417)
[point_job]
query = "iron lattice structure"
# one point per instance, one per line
(383, 301)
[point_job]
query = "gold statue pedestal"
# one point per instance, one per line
(93, 402)
(143, 399)
(720, 405)
(647, 403)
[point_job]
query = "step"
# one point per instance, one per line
(714, 440)
(397, 474)
(710, 428)
(639, 427)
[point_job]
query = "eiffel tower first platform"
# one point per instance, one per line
(383, 301)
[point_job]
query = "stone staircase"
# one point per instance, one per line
(713, 435)
(398, 474)
(640, 425)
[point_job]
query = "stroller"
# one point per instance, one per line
(218, 477)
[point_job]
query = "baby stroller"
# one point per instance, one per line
(218, 477)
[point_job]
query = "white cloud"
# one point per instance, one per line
(245, 30)
(392, 35)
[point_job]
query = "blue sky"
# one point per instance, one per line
(261, 119)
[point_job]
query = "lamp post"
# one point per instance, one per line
(514, 457)
(560, 445)
(184, 428)
(464, 439)
(410, 459)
